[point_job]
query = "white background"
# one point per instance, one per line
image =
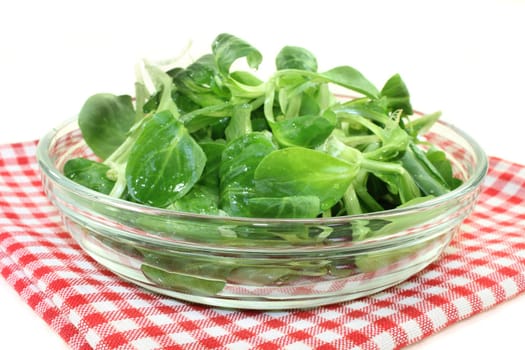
(464, 58)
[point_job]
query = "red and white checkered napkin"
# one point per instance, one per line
(91, 308)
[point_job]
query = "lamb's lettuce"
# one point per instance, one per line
(213, 138)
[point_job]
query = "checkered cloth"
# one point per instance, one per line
(91, 308)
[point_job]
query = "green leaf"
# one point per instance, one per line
(426, 176)
(104, 121)
(213, 151)
(422, 124)
(206, 116)
(206, 266)
(374, 261)
(242, 85)
(393, 138)
(285, 207)
(439, 160)
(240, 122)
(352, 79)
(301, 98)
(199, 83)
(184, 103)
(183, 282)
(152, 103)
(307, 131)
(164, 162)
(396, 94)
(88, 173)
(239, 161)
(394, 142)
(293, 57)
(227, 49)
(246, 78)
(265, 275)
(298, 171)
(200, 199)
(164, 86)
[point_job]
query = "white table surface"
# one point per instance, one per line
(465, 58)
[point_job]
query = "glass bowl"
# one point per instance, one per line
(260, 263)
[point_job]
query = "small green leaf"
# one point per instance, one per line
(198, 82)
(293, 57)
(89, 173)
(352, 79)
(374, 261)
(200, 200)
(422, 124)
(439, 159)
(164, 162)
(163, 86)
(285, 207)
(240, 122)
(426, 176)
(182, 282)
(397, 95)
(239, 161)
(307, 131)
(265, 275)
(246, 78)
(297, 171)
(105, 120)
(213, 151)
(227, 49)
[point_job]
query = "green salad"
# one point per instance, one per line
(211, 139)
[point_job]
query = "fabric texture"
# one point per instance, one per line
(93, 309)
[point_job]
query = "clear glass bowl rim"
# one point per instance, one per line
(46, 165)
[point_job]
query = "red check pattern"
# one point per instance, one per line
(91, 308)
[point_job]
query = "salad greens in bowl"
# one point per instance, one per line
(215, 186)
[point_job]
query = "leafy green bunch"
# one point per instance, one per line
(212, 139)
